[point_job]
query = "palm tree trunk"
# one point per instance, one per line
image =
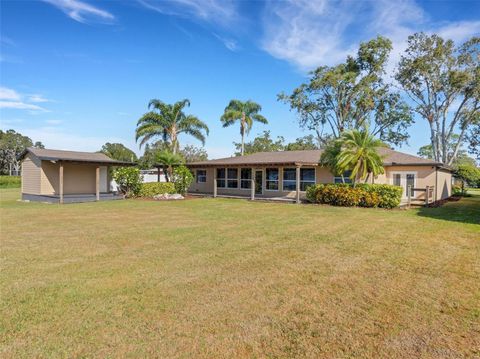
(242, 128)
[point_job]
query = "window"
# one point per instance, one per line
(307, 178)
(232, 178)
(346, 178)
(272, 179)
(411, 183)
(246, 178)
(397, 179)
(221, 177)
(289, 179)
(201, 176)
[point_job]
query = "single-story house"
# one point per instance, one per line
(66, 176)
(287, 174)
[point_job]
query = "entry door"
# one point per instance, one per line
(404, 180)
(259, 182)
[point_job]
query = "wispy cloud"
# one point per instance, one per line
(229, 43)
(53, 122)
(11, 99)
(214, 11)
(37, 98)
(322, 32)
(82, 12)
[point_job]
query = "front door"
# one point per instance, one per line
(404, 180)
(259, 182)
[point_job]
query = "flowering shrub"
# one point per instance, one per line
(362, 195)
(153, 188)
(128, 180)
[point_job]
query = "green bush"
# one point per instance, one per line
(129, 180)
(362, 195)
(10, 182)
(182, 177)
(153, 188)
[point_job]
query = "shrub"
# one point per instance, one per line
(153, 188)
(129, 180)
(457, 190)
(182, 178)
(363, 195)
(10, 182)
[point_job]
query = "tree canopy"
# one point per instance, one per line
(353, 95)
(168, 121)
(443, 82)
(12, 144)
(118, 151)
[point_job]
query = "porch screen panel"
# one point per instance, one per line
(272, 179)
(289, 179)
(246, 178)
(232, 178)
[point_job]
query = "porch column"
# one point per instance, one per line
(298, 185)
(60, 181)
(214, 183)
(252, 195)
(97, 183)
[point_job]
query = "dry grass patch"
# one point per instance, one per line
(232, 278)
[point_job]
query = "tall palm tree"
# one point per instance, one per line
(359, 153)
(168, 121)
(245, 113)
(168, 160)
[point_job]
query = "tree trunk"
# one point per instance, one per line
(242, 128)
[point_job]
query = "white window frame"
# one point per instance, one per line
(403, 181)
(197, 177)
(267, 180)
(339, 178)
(314, 177)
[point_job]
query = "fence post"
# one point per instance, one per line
(252, 191)
(215, 188)
(409, 195)
(427, 196)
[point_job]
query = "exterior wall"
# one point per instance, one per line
(31, 175)
(424, 176)
(77, 178)
(444, 184)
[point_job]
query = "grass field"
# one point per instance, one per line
(233, 278)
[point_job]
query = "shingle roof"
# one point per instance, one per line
(310, 157)
(71, 156)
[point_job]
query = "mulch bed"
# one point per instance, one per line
(443, 201)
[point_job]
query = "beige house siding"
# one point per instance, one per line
(31, 174)
(49, 180)
(424, 176)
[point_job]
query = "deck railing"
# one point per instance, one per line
(429, 194)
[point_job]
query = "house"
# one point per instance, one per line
(287, 174)
(66, 176)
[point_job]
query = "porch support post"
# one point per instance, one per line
(252, 195)
(214, 183)
(297, 197)
(97, 183)
(60, 181)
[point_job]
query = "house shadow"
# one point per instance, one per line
(464, 210)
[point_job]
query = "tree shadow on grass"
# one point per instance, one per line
(466, 210)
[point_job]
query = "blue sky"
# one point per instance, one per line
(76, 74)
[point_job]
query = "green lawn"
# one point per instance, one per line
(233, 278)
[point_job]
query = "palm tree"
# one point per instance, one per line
(168, 160)
(168, 123)
(359, 153)
(245, 113)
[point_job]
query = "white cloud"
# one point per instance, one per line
(20, 106)
(11, 99)
(37, 98)
(8, 94)
(214, 11)
(81, 11)
(313, 33)
(230, 44)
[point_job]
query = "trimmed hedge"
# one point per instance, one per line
(153, 188)
(361, 195)
(10, 182)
